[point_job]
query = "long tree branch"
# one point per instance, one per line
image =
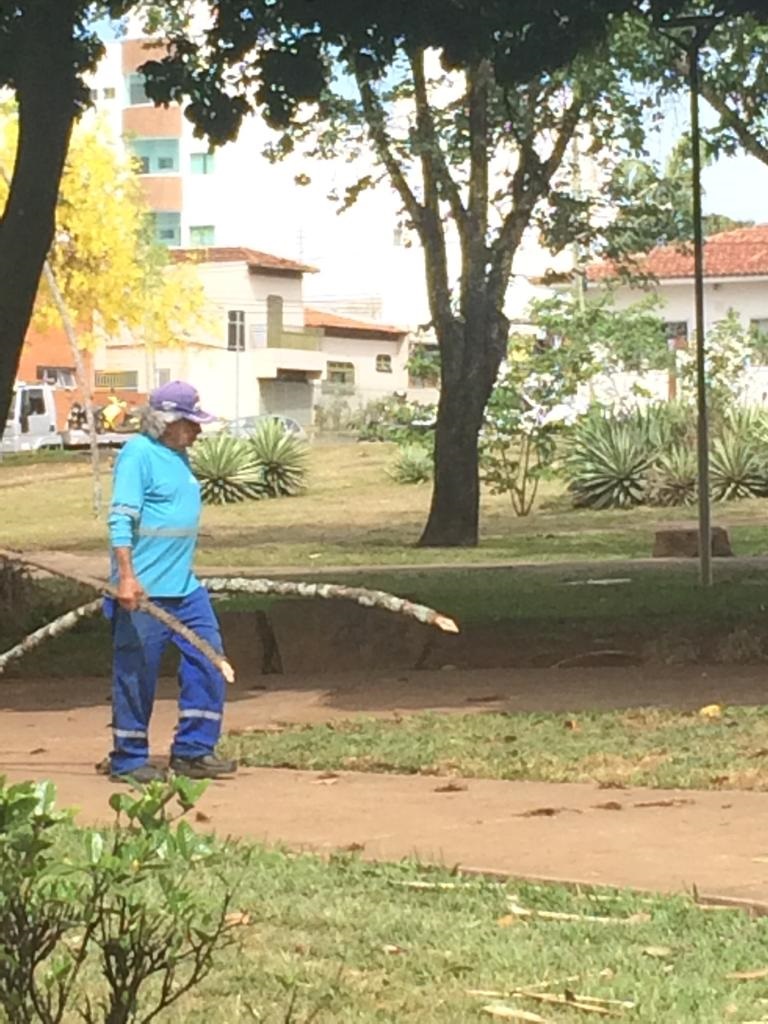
(530, 184)
(733, 120)
(376, 121)
(433, 158)
(474, 269)
(568, 125)
(425, 217)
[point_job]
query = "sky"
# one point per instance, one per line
(735, 186)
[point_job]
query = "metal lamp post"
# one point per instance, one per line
(696, 30)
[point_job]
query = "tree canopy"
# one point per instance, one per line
(478, 114)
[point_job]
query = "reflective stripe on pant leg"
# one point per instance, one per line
(201, 696)
(138, 643)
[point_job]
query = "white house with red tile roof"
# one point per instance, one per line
(735, 278)
(260, 350)
(735, 271)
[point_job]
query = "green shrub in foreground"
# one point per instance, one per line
(126, 898)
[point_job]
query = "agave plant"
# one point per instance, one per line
(413, 465)
(737, 467)
(673, 479)
(227, 470)
(608, 464)
(664, 424)
(281, 457)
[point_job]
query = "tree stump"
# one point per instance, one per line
(683, 542)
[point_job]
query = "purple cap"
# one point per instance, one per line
(179, 397)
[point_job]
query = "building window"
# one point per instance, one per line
(274, 319)
(236, 330)
(94, 95)
(116, 380)
(166, 228)
(202, 163)
(758, 336)
(63, 376)
(383, 364)
(341, 373)
(156, 156)
(137, 93)
(676, 333)
(162, 377)
(109, 93)
(202, 234)
(33, 402)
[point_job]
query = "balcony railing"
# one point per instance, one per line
(307, 340)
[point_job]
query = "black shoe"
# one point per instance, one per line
(142, 775)
(206, 767)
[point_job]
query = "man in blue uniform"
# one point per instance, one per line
(153, 524)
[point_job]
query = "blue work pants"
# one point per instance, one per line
(139, 641)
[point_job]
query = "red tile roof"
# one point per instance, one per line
(343, 325)
(256, 260)
(742, 252)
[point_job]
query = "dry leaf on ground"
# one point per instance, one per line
(659, 952)
(452, 787)
(508, 920)
(237, 918)
(711, 711)
(542, 812)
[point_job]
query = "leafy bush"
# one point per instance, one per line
(737, 467)
(673, 478)
(608, 464)
(281, 458)
(413, 465)
(394, 419)
(227, 469)
(126, 901)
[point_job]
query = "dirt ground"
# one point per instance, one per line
(717, 841)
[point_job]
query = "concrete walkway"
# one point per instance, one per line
(650, 839)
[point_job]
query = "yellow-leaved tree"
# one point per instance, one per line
(105, 277)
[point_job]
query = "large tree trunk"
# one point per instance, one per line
(471, 356)
(46, 88)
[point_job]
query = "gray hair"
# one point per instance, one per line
(154, 421)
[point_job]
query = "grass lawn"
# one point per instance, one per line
(642, 747)
(352, 514)
(345, 941)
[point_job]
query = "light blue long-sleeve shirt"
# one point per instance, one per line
(156, 511)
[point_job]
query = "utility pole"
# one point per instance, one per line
(692, 32)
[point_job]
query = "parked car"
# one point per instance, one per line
(247, 424)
